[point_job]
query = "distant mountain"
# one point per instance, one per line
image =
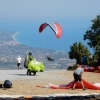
(10, 49)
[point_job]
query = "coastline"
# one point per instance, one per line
(13, 36)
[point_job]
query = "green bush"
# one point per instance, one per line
(72, 67)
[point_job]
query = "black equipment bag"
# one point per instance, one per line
(7, 84)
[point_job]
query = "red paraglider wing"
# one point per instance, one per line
(42, 27)
(54, 26)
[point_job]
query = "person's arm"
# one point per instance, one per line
(16, 60)
(81, 73)
(21, 60)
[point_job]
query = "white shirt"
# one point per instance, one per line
(78, 71)
(19, 59)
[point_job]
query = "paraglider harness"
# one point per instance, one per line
(27, 60)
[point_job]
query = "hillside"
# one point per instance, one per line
(10, 49)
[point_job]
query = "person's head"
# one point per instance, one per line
(19, 56)
(78, 65)
(30, 53)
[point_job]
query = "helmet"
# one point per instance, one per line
(30, 53)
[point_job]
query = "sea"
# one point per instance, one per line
(72, 31)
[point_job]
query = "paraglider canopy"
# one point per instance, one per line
(54, 26)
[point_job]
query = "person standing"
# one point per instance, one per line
(28, 58)
(78, 76)
(19, 60)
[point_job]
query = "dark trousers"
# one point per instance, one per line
(77, 77)
(28, 72)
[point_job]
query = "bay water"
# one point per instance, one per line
(29, 34)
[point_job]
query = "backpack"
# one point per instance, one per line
(7, 84)
(27, 60)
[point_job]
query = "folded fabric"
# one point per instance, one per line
(36, 66)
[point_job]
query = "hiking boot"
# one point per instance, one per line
(84, 89)
(73, 89)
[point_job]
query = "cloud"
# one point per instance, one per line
(48, 9)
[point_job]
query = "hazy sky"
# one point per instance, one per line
(30, 10)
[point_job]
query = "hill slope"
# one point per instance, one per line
(10, 49)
